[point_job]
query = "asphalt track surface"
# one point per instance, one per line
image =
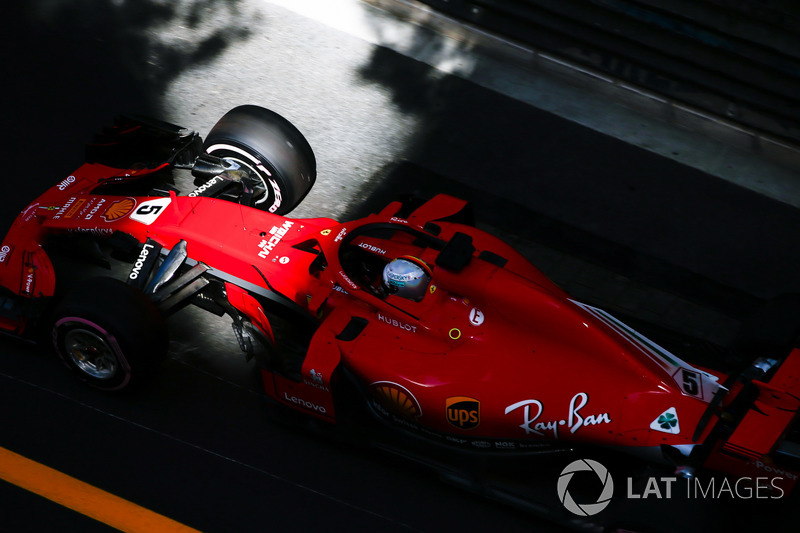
(196, 443)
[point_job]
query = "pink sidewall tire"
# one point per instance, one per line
(109, 334)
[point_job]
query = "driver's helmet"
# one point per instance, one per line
(408, 277)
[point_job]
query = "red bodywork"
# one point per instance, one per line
(495, 356)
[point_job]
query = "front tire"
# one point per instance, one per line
(109, 334)
(272, 149)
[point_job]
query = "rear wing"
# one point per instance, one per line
(772, 414)
(761, 445)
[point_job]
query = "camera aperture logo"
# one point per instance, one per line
(667, 488)
(585, 509)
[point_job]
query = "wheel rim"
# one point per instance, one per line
(91, 353)
(224, 152)
(261, 198)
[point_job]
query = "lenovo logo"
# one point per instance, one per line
(137, 266)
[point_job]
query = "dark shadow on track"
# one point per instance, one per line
(70, 66)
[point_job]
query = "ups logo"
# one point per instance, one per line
(463, 412)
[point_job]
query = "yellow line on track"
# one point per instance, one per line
(82, 497)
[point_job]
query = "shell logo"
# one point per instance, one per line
(119, 209)
(397, 399)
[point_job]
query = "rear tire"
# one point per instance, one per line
(109, 334)
(272, 149)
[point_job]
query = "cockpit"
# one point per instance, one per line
(388, 259)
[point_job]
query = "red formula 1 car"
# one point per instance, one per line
(431, 325)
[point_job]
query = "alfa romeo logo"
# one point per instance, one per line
(585, 509)
(667, 421)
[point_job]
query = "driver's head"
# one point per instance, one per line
(408, 277)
